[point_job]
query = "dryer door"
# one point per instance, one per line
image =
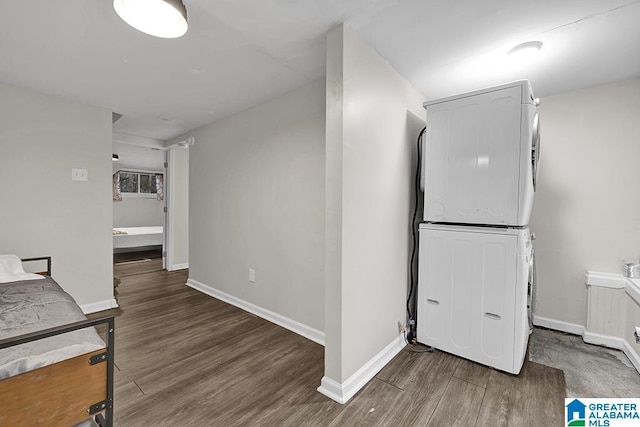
(535, 149)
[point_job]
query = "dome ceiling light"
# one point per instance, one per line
(159, 18)
(526, 50)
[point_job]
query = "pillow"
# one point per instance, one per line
(11, 270)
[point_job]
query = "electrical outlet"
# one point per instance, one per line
(79, 174)
(252, 275)
(401, 327)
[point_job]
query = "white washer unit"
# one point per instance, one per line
(481, 156)
(472, 292)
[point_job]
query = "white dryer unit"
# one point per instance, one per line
(472, 293)
(481, 156)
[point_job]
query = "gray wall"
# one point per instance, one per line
(587, 210)
(256, 184)
(43, 211)
(373, 119)
(137, 212)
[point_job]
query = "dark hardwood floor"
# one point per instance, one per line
(186, 359)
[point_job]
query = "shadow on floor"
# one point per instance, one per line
(589, 370)
(121, 257)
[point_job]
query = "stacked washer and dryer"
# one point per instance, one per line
(476, 259)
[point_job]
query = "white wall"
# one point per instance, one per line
(256, 185)
(373, 119)
(137, 211)
(177, 182)
(587, 210)
(43, 211)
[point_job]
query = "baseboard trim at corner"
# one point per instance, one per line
(341, 393)
(603, 340)
(94, 307)
(293, 325)
(558, 325)
(332, 389)
(182, 266)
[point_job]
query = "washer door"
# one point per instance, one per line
(531, 289)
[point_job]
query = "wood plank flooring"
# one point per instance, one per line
(186, 359)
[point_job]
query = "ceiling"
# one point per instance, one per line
(239, 53)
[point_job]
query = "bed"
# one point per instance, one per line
(54, 367)
(137, 237)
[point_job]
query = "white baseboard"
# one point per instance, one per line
(182, 266)
(293, 325)
(603, 340)
(558, 325)
(94, 307)
(341, 393)
(332, 389)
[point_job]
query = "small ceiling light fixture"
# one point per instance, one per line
(525, 50)
(115, 158)
(159, 18)
(187, 142)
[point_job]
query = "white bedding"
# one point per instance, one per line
(134, 237)
(11, 270)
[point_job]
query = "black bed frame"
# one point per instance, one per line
(42, 258)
